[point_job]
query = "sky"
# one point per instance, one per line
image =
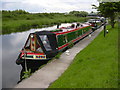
(40, 6)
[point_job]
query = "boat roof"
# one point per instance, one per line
(44, 33)
(64, 30)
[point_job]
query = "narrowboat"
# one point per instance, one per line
(44, 45)
(96, 23)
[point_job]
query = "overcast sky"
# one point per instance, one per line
(36, 6)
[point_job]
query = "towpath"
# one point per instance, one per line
(53, 70)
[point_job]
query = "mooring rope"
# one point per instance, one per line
(25, 54)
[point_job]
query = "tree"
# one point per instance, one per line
(83, 14)
(74, 12)
(79, 13)
(109, 9)
(20, 12)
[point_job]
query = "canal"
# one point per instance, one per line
(11, 46)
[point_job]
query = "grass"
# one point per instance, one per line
(119, 53)
(94, 67)
(12, 22)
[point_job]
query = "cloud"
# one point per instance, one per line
(49, 5)
(11, 0)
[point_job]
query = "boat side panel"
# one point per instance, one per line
(65, 39)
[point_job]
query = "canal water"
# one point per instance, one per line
(11, 46)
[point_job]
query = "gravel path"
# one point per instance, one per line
(53, 70)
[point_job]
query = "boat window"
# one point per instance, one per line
(32, 44)
(38, 47)
(33, 41)
(65, 39)
(45, 42)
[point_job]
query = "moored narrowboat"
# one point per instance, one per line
(44, 45)
(96, 23)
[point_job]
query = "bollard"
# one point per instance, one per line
(106, 31)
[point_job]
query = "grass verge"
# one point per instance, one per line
(94, 67)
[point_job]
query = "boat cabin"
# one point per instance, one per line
(40, 45)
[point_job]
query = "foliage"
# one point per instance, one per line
(93, 13)
(109, 9)
(14, 21)
(26, 74)
(71, 44)
(15, 12)
(94, 67)
(79, 13)
(58, 55)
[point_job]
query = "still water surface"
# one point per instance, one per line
(11, 45)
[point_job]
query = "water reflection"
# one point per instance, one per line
(11, 45)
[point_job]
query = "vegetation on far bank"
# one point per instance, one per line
(94, 67)
(20, 20)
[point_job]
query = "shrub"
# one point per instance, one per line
(71, 44)
(26, 74)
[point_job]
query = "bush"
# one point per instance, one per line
(58, 55)
(71, 44)
(26, 74)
